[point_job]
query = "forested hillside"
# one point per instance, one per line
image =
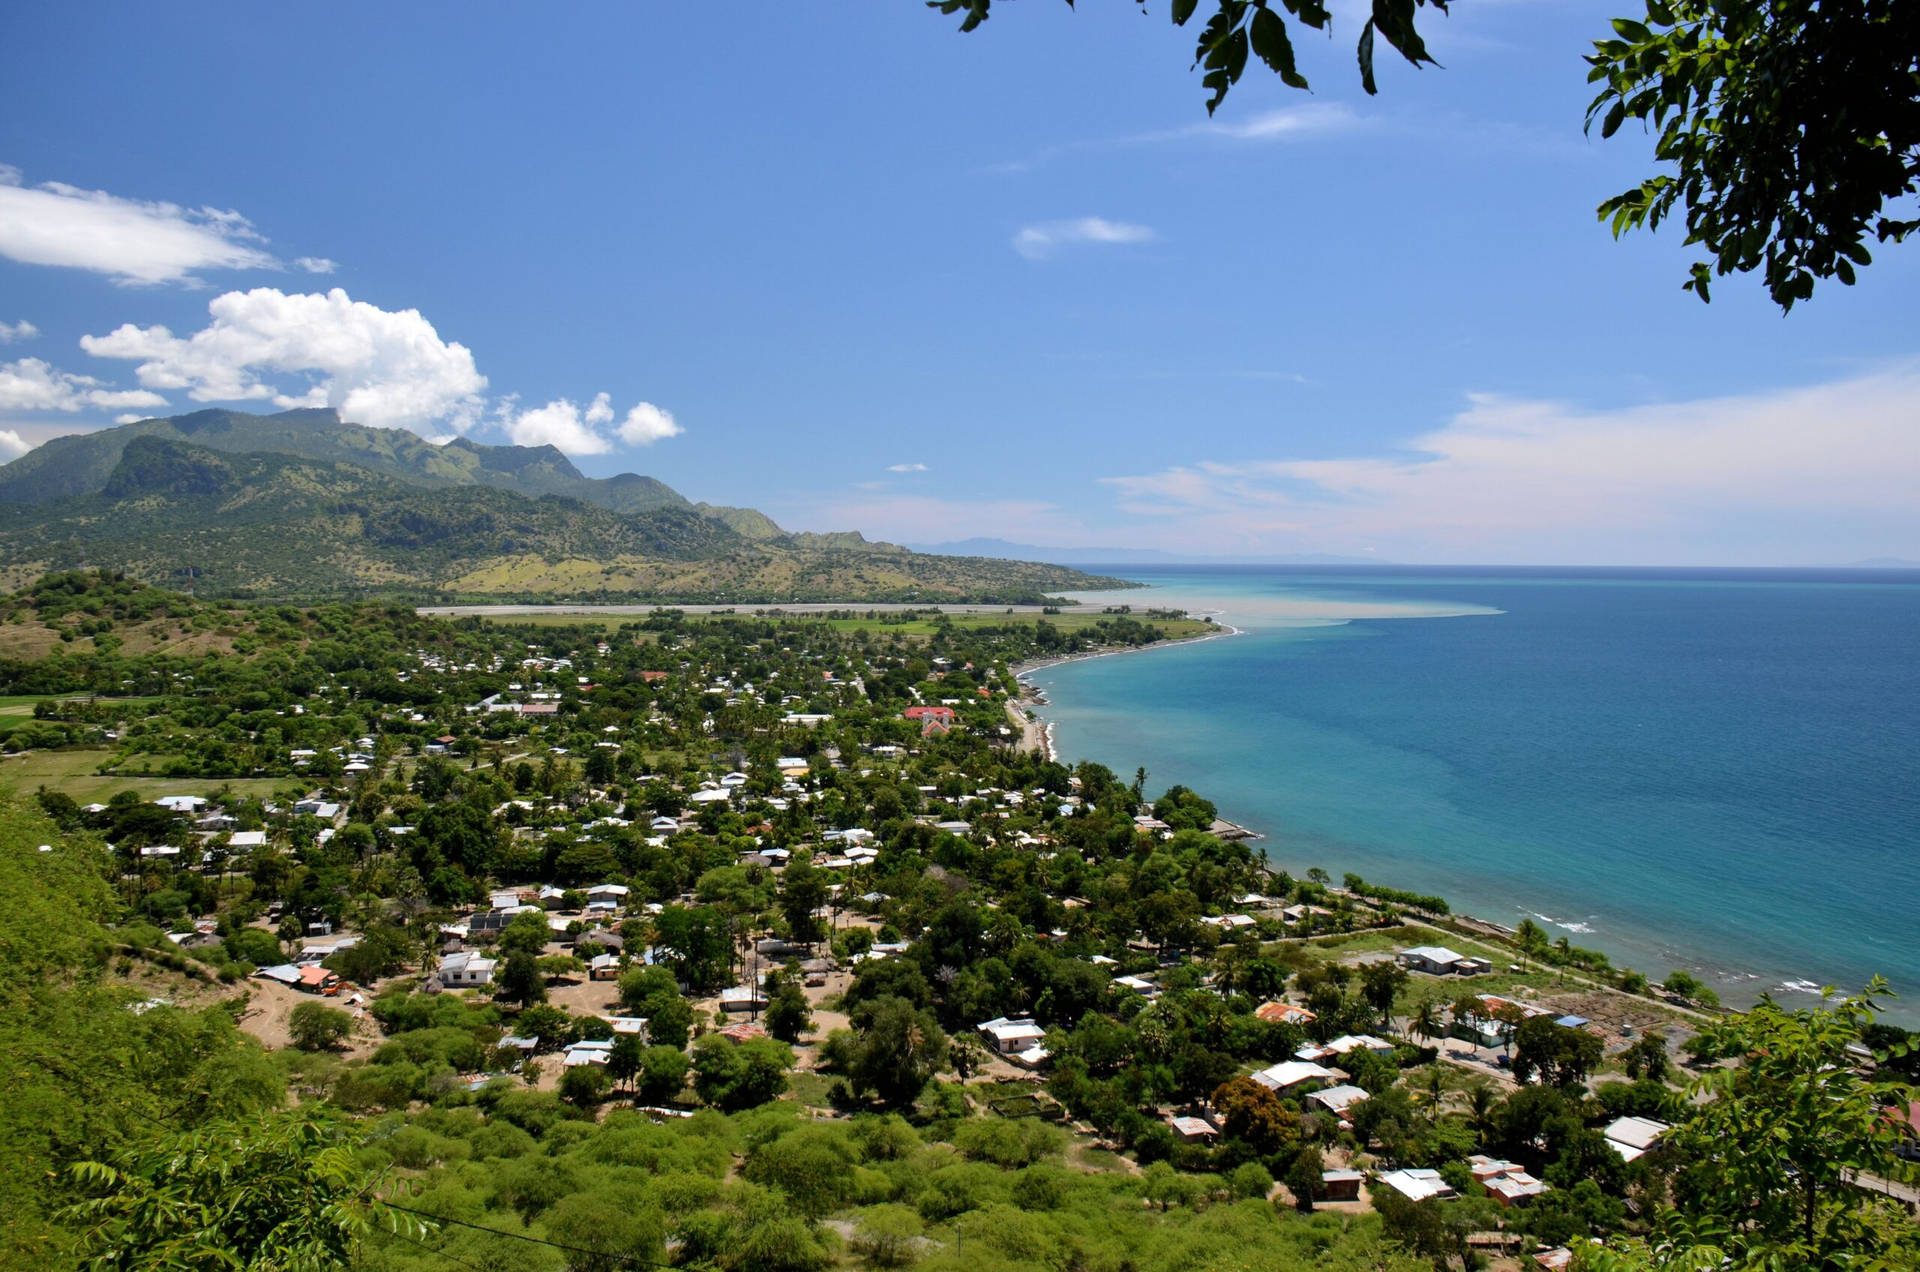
(352, 511)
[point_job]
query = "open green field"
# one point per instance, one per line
(16, 709)
(880, 624)
(74, 773)
(1066, 621)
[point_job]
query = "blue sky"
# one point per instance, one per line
(841, 263)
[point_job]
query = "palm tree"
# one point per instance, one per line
(1425, 1024)
(1530, 938)
(1481, 1099)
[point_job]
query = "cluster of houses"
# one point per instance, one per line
(585, 919)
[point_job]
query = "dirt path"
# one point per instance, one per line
(270, 1005)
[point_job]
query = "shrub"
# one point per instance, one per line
(318, 1027)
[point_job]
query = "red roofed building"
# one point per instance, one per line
(318, 980)
(1279, 1013)
(1906, 1124)
(942, 714)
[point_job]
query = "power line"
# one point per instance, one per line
(451, 1258)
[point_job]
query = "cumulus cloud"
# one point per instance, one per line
(561, 424)
(375, 366)
(578, 430)
(906, 468)
(386, 368)
(14, 331)
(1825, 472)
(11, 446)
(1042, 238)
(32, 385)
(131, 241)
(315, 264)
(646, 424)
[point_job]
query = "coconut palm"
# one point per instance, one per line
(1482, 1099)
(1425, 1022)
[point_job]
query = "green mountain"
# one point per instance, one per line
(80, 464)
(744, 522)
(248, 522)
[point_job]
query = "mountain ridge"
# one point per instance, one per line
(79, 463)
(247, 522)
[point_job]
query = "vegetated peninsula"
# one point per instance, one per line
(302, 506)
(744, 942)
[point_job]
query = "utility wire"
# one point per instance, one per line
(631, 1259)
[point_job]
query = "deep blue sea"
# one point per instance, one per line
(1700, 769)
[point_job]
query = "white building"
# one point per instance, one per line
(466, 969)
(1292, 1073)
(1435, 959)
(1417, 1185)
(1631, 1137)
(1008, 1036)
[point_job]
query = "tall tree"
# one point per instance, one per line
(1791, 126)
(282, 1191)
(1774, 1148)
(898, 1049)
(1236, 30)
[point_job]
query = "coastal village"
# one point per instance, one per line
(498, 874)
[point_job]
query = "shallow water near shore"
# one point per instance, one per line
(1711, 770)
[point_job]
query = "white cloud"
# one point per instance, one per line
(32, 385)
(906, 468)
(129, 240)
(389, 369)
(11, 446)
(1803, 475)
(559, 423)
(563, 423)
(1039, 240)
(315, 264)
(375, 366)
(646, 424)
(22, 330)
(1288, 123)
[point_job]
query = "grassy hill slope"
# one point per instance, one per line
(282, 525)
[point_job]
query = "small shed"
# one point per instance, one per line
(1340, 1185)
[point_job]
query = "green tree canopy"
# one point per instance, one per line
(1791, 126)
(284, 1191)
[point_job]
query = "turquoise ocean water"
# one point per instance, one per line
(1711, 770)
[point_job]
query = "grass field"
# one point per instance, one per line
(17, 709)
(74, 773)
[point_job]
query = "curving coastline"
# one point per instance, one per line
(1038, 735)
